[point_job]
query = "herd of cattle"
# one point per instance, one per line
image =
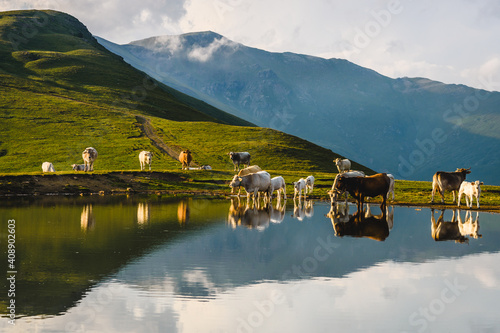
(256, 181)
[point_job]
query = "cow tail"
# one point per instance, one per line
(436, 184)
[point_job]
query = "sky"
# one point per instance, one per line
(452, 41)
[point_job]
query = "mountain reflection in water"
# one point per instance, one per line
(152, 264)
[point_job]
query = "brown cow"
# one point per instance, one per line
(448, 181)
(185, 158)
(361, 187)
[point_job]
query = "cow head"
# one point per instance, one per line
(463, 170)
(340, 184)
(236, 182)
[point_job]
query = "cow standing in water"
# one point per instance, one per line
(89, 155)
(448, 181)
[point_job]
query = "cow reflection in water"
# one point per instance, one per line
(362, 223)
(302, 209)
(183, 211)
(256, 216)
(143, 213)
(455, 229)
(87, 220)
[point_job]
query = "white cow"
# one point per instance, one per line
(253, 183)
(145, 157)
(244, 172)
(78, 167)
(471, 190)
(277, 184)
(298, 187)
(343, 165)
(391, 186)
(89, 155)
(48, 167)
(309, 185)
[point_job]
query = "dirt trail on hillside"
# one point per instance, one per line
(150, 132)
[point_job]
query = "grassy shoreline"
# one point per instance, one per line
(212, 183)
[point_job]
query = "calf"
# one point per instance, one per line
(471, 190)
(48, 167)
(298, 187)
(78, 167)
(145, 157)
(277, 184)
(448, 181)
(309, 184)
(361, 187)
(239, 158)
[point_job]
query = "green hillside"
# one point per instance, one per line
(61, 91)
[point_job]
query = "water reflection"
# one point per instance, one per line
(199, 275)
(143, 213)
(255, 216)
(362, 223)
(303, 209)
(183, 211)
(455, 229)
(87, 220)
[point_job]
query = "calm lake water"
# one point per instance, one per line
(116, 264)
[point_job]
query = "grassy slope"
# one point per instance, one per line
(61, 92)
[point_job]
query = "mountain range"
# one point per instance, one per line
(411, 127)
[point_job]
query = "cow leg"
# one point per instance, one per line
(384, 203)
(454, 198)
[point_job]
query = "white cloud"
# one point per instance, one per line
(203, 54)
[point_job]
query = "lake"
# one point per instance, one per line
(152, 264)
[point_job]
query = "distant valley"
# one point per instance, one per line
(411, 127)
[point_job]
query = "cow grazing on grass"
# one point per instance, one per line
(298, 187)
(277, 184)
(361, 187)
(89, 155)
(239, 158)
(309, 185)
(253, 183)
(471, 190)
(48, 167)
(145, 158)
(185, 158)
(343, 165)
(448, 181)
(78, 167)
